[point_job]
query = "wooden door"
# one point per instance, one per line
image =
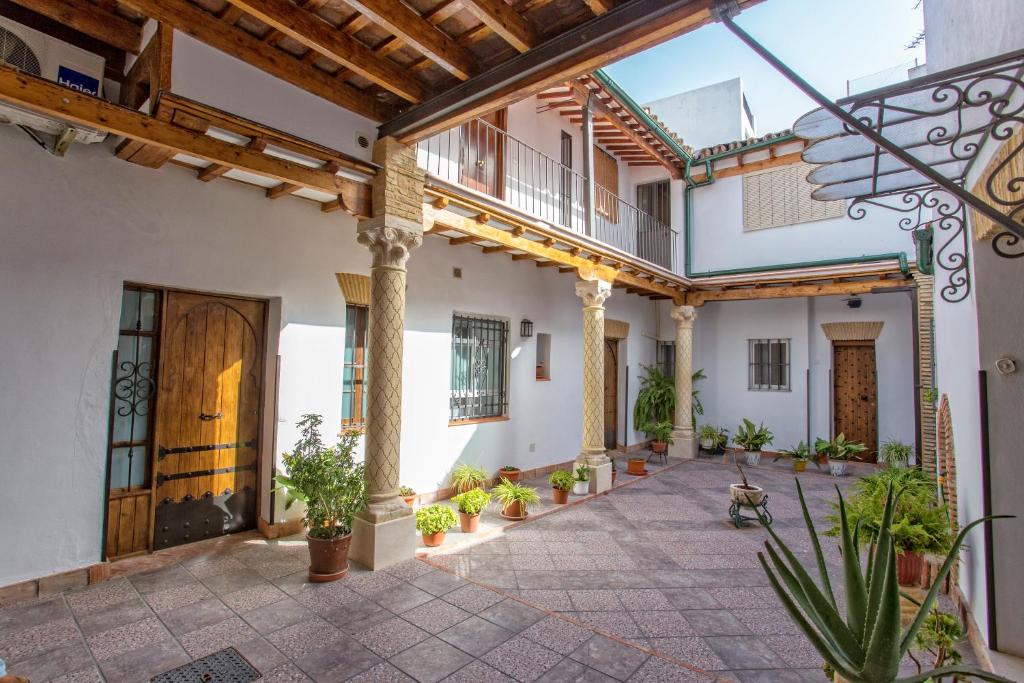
(856, 393)
(611, 393)
(483, 154)
(208, 419)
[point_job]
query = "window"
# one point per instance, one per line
(769, 365)
(543, 356)
(667, 358)
(479, 368)
(353, 380)
(606, 177)
(782, 196)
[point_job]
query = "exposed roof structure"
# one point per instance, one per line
(739, 146)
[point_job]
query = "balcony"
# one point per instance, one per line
(486, 159)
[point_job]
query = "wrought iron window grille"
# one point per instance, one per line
(768, 365)
(479, 368)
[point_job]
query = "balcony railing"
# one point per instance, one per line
(485, 158)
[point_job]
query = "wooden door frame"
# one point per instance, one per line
(615, 354)
(837, 343)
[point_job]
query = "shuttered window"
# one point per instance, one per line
(782, 196)
(606, 177)
(353, 390)
(479, 374)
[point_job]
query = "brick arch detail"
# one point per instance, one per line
(947, 458)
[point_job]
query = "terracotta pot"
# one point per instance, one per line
(409, 500)
(328, 557)
(659, 447)
(511, 475)
(468, 523)
(514, 511)
(909, 567)
(799, 465)
(636, 467)
(561, 496)
(433, 540)
(746, 496)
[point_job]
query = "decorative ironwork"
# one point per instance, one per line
(208, 516)
(945, 214)
(740, 520)
(1008, 245)
(225, 666)
(164, 452)
(161, 478)
(134, 389)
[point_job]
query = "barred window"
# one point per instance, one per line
(769, 365)
(479, 379)
(353, 381)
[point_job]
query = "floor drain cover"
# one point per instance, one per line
(226, 666)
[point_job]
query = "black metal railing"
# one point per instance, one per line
(486, 159)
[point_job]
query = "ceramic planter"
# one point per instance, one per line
(748, 497)
(635, 466)
(909, 567)
(328, 558)
(580, 488)
(433, 540)
(799, 465)
(468, 523)
(561, 496)
(511, 475)
(753, 457)
(659, 447)
(514, 510)
(410, 500)
(707, 444)
(837, 468)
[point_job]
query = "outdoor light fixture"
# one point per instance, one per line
(854, 302)
(526, 328)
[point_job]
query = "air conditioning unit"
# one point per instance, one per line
(41, 55)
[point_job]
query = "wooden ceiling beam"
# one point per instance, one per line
(599, 7)
(698, 298)
(92, 20)
(205, 27)
(310, 30)
(401, 20)
(741, 168)
(514, 28)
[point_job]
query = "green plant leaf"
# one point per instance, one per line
(856, 591)
(882, 659)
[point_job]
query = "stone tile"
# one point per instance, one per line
(382, 673)
(595, 600)
(472, 598)
(657, 670)
(229, 582)
(209, 639)
(161, 579)
(324, 599)
(610, 657)
(32, 613)
(261, 654)
(89, 674)
(254, 596)
(410, 569)
(571, 670)
(38, 639)
(390, 637)
(663, 624)
(100, 595)
(67, 659)
(522, 659)
(640, 599)
(557, 634)
(177, 597)
(438, 582)
(745, 597)
(286, 673)
(358, 615)
(195, 616)
(745, 652)
(337, 661)
(498, 578)
(693, 651)
(402, 598)
(690, 598)
(435, 616)
(278, 567)
(121, 639)
(276, 616)
(715, 622)
(618, 624)
(552, 599)
(795, 650)
(431, 661)
(212, 566)
(512, 615)
(537, 562)
(779, 675)
(119, 614)
(475, 672)
(475, 636)
(372, 583)
(767, 622)
(143, 663)
(305, 636)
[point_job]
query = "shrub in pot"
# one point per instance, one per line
(466, 477)
(752, 439)
(661, 435)
(331, 484)
(510, 472)
(433, 522)
(800, 454)
(581, 482)
(636, 466)
(838, 451)
(471, 504)
(561, 481)
(895, 453)
(745, 494)
(408, 495)
(713, 439)
(515, 499)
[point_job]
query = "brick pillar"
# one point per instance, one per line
(594, 293)
(926, 376)
(684, 440)
(384, 533)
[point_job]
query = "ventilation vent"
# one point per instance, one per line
(15, 52)
(362, 140)
(457, 273)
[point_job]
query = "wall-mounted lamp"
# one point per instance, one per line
(853, 302)
(526, 328)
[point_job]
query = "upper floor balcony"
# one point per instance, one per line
(486, 159)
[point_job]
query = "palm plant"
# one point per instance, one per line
(656, 401)
(868, 645)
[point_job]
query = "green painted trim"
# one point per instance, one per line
(638, 111)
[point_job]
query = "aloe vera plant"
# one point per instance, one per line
(868, 645)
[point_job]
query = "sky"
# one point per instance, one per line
(827, 42)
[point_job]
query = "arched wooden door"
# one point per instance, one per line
(611, 392)
(208, 418)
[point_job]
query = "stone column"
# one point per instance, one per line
(384, 533)
(594, 293)
(684, 440)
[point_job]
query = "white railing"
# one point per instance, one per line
(485, 158)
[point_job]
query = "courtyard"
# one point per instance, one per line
(649, 582)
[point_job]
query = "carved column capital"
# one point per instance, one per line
(684, 315)
(389, 240)
(593, 292)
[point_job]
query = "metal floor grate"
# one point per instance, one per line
(226, 666)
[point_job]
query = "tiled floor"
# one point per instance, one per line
(648, 583)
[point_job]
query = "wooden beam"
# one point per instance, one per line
(92, 20)
(465, 239)
(546, 264)
(741, 168)
(599, 7)
(310, 30)
(51, 99)
(697, 298)
(401, 20)
(497, 249)
(236, 42)
(513, 27)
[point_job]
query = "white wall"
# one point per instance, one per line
(705, 116)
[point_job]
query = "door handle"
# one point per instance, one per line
(206, 417)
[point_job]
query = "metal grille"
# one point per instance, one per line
(15, 52)
(769, 365)
(479, 368)
(226, 666)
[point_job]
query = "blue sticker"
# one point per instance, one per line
(70, 78)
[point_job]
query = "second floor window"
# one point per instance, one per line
(782, 196)
(479, 374)
(769, 364)
(606, 175)
(353, 389)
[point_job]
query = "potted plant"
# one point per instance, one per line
(838, 451)
(329, 481)
(799, 454)
(581, 483)
(708, 435)
(561, 482)
(745, 494)
(636, 466)
(433, 521)
(471, 504)
(408, 495)
(515, 499)
(661, 435)
(466, 477)
(852, 650)
(920, 523)
(615, 469)
(940, 633)
(752, 439)
(656, 400)
(895, 453)
(510, 472)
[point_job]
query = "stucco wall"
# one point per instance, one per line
(705, 116)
